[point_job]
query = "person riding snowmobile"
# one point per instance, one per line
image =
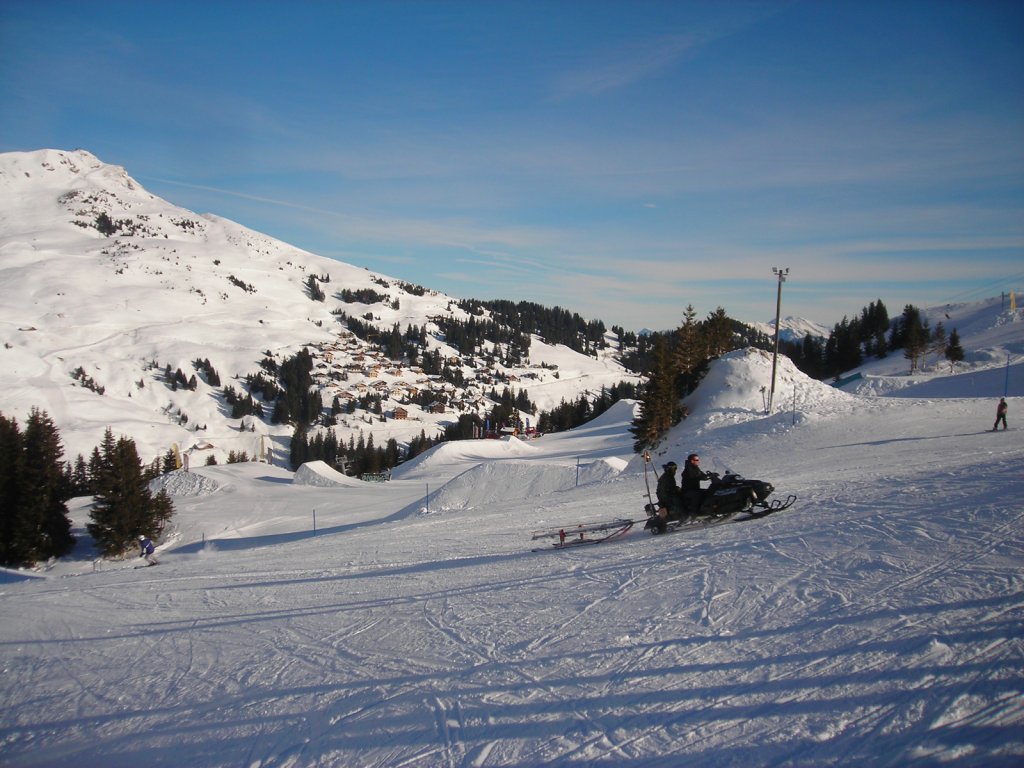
(691, 493)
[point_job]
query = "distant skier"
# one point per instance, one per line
(690, 486)
(1000, 414)
(147, 551)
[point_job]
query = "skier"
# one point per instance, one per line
(691, 490)
(147, 551)
(668, 492)
(1000, 414)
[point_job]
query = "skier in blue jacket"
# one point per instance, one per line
(147, 550)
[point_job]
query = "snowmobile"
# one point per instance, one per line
(726, 498)
(730, 498)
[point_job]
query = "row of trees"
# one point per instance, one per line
(35, 484)
(873, 334)
(358, 457)
(553, 324)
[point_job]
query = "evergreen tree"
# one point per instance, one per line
(316, 293)
(81, 485)
(718, 333)
(33, 488)
(299, 449)
(45, 494)
(914, 335)
(954, 352)
(124, 506)
(12, 463)
(937, 344)
(690, 353)
(812, 356)
(659, 404)
(170, 461)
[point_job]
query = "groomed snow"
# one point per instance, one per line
(877, 622)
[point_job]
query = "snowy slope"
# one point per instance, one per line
(90, 321)
(992, 335)
(793, 329)
(880, 621)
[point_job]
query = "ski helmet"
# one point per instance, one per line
(670, 467)
(141, 537)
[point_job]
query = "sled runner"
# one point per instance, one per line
(584, 533)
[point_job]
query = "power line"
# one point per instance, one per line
(984, 289)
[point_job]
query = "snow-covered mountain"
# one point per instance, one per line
(106, 286)
(793, 328)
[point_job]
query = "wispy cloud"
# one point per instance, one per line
(620, 68)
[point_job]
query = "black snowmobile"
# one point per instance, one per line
(729, 496)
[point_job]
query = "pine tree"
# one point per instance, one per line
(170, 461)
(659, 403)
(915, 336)
(718, 332)
(12, 463)
(954, 352)
(124, 506)
(33, 488)
(690, 353)
(44, 480)
(81, 485)
(937, 344)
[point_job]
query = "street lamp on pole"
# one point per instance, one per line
(781, 273)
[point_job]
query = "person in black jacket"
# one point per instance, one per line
(668, 492)
(690, 490)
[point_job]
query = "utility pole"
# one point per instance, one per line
(781, 273)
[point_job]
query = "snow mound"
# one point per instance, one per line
(182, 484)
(319, 474)
(618, 417)
(438, 459)
(740, 381)
(497, 482)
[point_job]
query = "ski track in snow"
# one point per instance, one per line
(878, 621)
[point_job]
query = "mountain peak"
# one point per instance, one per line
(107, 286)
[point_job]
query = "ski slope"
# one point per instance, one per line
(296, 620)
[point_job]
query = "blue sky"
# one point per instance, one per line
(618, 159)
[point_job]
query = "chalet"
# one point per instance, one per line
(400, 413)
